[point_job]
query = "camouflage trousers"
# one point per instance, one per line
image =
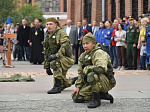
(60, 68)
(86, 92)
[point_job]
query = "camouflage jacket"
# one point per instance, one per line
(99, 59)
(56, 43)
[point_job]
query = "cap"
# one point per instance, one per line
(144, 15)
(40, 20)
(130, 18)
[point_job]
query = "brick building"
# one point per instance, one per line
(99, 10)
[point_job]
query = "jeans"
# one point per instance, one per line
(81, 48)
(22, 52)
(106, 49)
(113, 53)
(142, 62)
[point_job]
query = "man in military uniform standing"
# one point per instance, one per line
(131, 44)
(58, 56)
(95, 74)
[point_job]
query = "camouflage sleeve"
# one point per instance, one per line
(64, 43)
(80, 81)
(101, 59)
(46, 62)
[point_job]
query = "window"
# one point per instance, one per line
(49, 5)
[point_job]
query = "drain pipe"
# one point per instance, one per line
(103, 10)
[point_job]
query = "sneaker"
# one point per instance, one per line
(118, 68)
(122, 68)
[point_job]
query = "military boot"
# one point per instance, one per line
(74, 80)
(57, 87)
(95, 101)
(106, 96)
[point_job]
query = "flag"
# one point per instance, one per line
(8, 20)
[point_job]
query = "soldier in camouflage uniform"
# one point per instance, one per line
(58, 56)
(96, 76)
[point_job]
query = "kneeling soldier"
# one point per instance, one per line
(58, 56)
(95, 74)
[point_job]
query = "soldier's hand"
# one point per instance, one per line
(52, 57)
(125, 46)
(134, 45)
(75, 91)
(48, 71)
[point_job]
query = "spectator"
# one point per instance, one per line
(120, 37)
(131, 44)
(17, 26)
(5, 42)
(78, 45)
(1, 46)
(143, 55)
(107, 36)
(148, 47)
(99, 33)
(113, 50)
(72, 32)
(40, 23)
(32, 25)
(15, 45)
(142, 35)
(22, 38)
(36, 41)
(143, 30)
(12, 28)
(95, 28)
(125, 23)
(85, 26)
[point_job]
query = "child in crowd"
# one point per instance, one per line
(143, 55)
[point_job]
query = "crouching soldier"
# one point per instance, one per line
(95, 74)
(58, 56)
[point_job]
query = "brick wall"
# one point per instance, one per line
(148, 4)
(96, 10)
(117, 8)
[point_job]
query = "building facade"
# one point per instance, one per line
(99, 10)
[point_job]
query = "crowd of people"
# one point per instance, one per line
(126, 40)
(28, 44)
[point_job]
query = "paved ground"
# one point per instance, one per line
(131, 94)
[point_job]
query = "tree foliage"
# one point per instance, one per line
(27, 11)
(7, 8)
(31, 12)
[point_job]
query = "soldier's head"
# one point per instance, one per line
(51, 24)
(36, 22)
(89, 42)
(24, 22)
(131, 20)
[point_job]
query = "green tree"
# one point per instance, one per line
(7, 8)
(29, 12)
